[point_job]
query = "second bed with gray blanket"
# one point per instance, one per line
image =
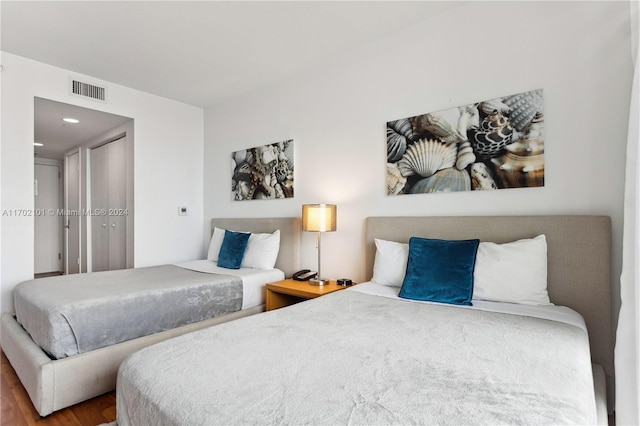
(355, 358)
(66, 316)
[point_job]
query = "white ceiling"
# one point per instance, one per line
(59, 137)
(199, 52)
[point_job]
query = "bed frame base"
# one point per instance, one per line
(600, 388)
(56, 384)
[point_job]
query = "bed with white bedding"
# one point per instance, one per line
(356, 358)
(65, 324)
(71, 314)
(367, 356)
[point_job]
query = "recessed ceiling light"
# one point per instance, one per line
(38, 144)
(70, 120)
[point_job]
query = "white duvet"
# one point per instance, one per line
(550, 312)
(253, 280)
(356, 358)
(71, 314)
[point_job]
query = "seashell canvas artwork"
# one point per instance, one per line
(263, 173)
(492, 144)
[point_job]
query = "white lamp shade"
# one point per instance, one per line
(319, 217)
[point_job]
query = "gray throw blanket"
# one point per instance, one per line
(73, 314)
(358, 359)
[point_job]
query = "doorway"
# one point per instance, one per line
(69, 136)
(48, 227)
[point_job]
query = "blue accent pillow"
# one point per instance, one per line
(232, 249)
(440, 271)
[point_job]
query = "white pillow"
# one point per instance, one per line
(390, 263)
(215, 244)
(513, 272)
(262, 251)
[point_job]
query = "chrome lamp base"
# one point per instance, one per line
(318, 281)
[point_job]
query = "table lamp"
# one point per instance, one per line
(319, 218)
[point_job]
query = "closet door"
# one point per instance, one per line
(108, 206)
(117, 205)
(99, 208)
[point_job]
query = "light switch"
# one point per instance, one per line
(182, 211)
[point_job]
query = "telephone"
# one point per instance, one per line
(304, 275)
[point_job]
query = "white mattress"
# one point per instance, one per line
(253, 280)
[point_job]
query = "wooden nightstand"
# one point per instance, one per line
(287, 292)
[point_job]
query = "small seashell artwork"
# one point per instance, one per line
(263, 173)
(492, 144)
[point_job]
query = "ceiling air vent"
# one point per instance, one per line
(87, 90)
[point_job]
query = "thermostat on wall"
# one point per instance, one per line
(182, 211)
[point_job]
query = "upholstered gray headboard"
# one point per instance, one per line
(578, 259)
(290, 228)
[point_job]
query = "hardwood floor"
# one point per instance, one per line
(17, 409)
(47, 274)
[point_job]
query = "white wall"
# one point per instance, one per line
(578, 52)
(167, 157)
